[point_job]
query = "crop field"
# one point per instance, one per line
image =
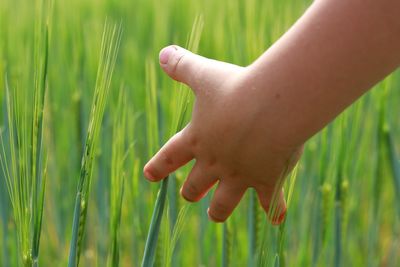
(84, 105)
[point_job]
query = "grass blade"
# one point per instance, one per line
(184, 100)
(152, 237)
(226, 245)
(394, 163)
(254, 223)
(22, 161)
(117, 179)
(108, 55)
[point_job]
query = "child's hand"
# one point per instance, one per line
(229, 137)
(249, 124)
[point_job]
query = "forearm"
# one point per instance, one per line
(330, 57)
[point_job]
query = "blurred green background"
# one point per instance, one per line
(345, 206)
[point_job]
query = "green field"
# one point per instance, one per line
(90, 67)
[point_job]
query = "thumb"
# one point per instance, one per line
(181, 64)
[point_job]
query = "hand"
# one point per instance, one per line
(229, 137)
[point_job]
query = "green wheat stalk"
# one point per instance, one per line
(290, 182)
(22, 167)
(118, 157)
(394, 163)
(172, 240)
(108, 55)
(184, 101)
(226, 245)
(254, 224)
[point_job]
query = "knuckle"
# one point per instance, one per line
(176, 62)
(212, 161)
(193, 140)
(166, 158)
(185, 134)
(190, 139)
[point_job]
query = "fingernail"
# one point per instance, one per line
(280, 219)
(180, 192)
(149, 175)
(211, 218)
(165, 54)
(209, 215)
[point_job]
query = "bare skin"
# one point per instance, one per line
(249, 123)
